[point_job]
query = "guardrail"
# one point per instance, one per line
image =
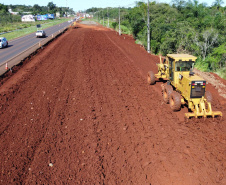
(10, 63)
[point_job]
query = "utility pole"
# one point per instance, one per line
(98, 15)
(66, 8)
(148, 35)
(108, 20)
(119, 29)
(103, 16)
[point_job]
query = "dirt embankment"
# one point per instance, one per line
(82, 113)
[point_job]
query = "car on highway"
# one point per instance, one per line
(3, 42)
(40, 33)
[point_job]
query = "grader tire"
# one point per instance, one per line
(175, 101)
(151, 78)
(167, 90)
(208, 96)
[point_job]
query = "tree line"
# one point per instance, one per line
(180, 27)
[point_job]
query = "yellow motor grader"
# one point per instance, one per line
(183, 86)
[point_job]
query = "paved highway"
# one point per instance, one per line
(18, 45)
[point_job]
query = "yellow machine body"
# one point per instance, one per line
(176, 68)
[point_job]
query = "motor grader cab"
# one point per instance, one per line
(183, 86)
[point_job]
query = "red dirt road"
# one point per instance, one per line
(82, 113)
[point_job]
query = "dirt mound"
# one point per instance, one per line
(82, 113)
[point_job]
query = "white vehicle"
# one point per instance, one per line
(3, 42)
(40, 33)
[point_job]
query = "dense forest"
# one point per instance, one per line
(182, 27)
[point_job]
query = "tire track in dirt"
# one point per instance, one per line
(75, 137)
(208, 127)
(123, 127)
(32, 108)
(71, 135)
(184, 152)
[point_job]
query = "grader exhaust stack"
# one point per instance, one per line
(183, 86)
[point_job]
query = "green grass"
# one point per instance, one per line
(124, 29)
(31, 28)
(222, 73)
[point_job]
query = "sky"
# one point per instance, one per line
(86, 4)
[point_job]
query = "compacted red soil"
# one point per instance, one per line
(81, 112)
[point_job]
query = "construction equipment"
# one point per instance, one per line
(183, 86)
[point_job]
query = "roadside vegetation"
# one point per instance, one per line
(12, 27)
(31, 27)
(21, 25)
(184, 26)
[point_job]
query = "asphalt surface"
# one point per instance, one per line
(18, 45)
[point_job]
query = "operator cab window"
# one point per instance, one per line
(183, 65)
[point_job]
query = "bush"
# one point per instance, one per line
(114, 25)
(222, 73)
(202, 65)
(125, 30)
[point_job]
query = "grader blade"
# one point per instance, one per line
(200, 110)
(196, 115)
